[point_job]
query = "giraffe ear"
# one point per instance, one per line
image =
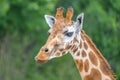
(79, 21)
(50, 20)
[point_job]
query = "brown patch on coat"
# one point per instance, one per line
(74, 50)
(62, 49)
(84, 53)
(86, 65)
(79, 65)
(80, 44)
(93, 58)
(73, 47)
(85, 46)
(57, 54)
(78, 53)
(63, 53)
(94, 75)
(68, 47)
(76, 40)
(77, 61)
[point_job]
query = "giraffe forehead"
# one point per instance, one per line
(61, 25)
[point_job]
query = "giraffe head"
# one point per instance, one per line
(62, 34)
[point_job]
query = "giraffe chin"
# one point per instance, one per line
(42, 61)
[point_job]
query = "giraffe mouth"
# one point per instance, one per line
(40, 60)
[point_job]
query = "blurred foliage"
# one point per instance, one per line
(23, 31)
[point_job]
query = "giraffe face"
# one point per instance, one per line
(62, 32)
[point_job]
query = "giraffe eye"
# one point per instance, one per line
(69, 34)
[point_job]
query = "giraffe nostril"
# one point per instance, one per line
(46, 50)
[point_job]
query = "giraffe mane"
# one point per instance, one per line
(102, 59)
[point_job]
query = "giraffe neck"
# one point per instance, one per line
(90, 63)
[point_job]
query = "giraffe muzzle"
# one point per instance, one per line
(42, 57)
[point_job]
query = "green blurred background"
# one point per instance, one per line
(23, 31)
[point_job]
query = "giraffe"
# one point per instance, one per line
(66, 36)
